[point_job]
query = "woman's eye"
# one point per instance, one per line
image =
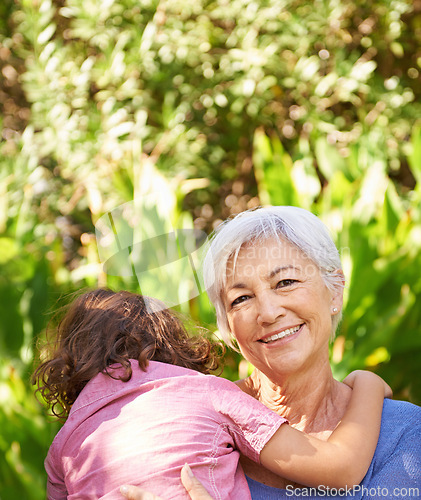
(238, 300)
(284, 283)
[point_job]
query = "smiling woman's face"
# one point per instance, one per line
(279, 308)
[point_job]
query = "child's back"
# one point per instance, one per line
(144, 430)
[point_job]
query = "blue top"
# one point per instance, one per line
(394, 473)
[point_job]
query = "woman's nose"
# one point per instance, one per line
(269, 309)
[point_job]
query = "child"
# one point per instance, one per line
(137, 409)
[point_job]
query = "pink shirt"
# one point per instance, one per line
(143, 431)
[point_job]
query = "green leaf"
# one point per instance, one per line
(273, 167)
(328, 158)
(414, 157)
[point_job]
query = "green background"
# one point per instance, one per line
(213, 107)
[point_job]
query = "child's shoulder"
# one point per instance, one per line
(177, 375)
(165, 370)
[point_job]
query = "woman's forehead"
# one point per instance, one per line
(269, 253)
(269, 249)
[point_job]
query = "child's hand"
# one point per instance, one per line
(362, 375)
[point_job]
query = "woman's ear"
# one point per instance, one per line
(338, 292)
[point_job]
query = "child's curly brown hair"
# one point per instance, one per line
(102, 327)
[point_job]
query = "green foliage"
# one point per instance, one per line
(190, 84)
(212, 107)
(24, 440)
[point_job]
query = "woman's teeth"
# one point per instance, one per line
(281, 335)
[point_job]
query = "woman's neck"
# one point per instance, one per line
(312, 400)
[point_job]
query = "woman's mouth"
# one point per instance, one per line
(285, 333)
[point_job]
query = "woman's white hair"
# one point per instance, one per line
(295, 225)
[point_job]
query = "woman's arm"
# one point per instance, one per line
(193, 486)
(344, 458)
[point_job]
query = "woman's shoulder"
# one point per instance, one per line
(401, 425)
(397, 459)
(401, 412)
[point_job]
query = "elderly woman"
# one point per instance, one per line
(275, 278)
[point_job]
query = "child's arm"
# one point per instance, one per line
(344, 458)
